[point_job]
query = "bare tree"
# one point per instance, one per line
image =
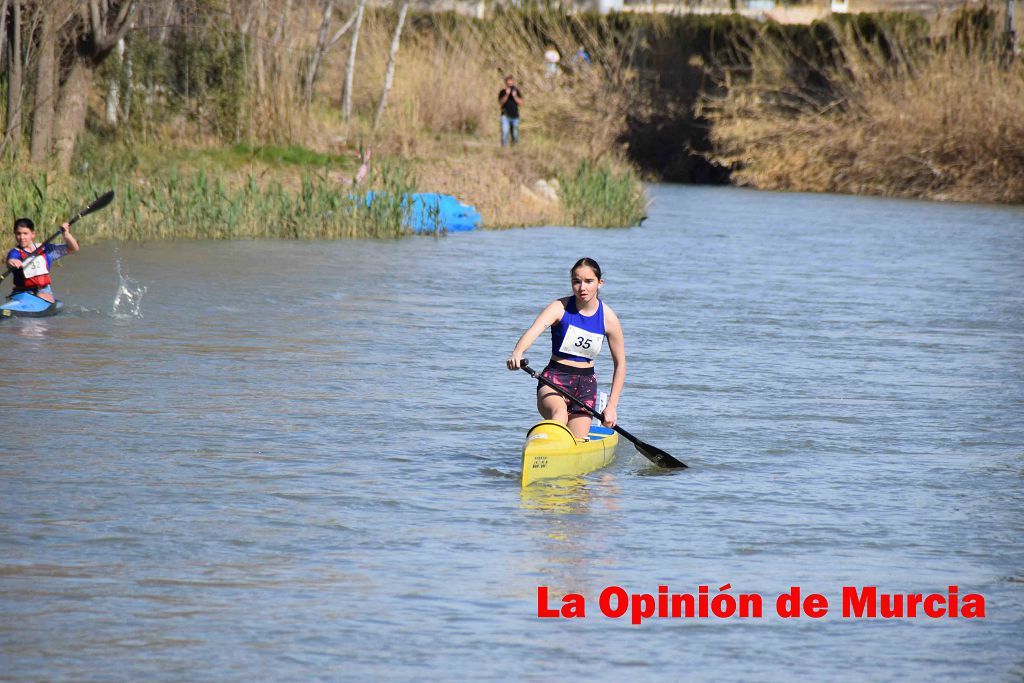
(324, 45)
(261, 72)
(389, 74)
(114, 87)
(165, 20)
(46, 88)
(15, 63)
(3, 32)
(129, 85)
(341, 32)
(98, 31)
(318, 51)
(346, 101)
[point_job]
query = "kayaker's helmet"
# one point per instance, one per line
(24, 223)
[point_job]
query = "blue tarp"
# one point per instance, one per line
(434, 212)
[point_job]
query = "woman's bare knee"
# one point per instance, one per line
(579, 425)
(552, 407)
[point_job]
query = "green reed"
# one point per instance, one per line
(597, 196)
(176, 206)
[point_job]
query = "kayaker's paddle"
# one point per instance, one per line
(96, 205)
(652, 453)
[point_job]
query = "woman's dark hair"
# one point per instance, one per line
(25, 223)
(589, 263)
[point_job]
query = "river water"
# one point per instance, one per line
(299, 461)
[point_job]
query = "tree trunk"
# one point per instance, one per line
(71, 111)
(3, 32)
(318, 51)
(341, 31)
(389, 74)
(165, 21)
(14, 78)
(350, 69)
(281, 22)
(114, 88)
(279, 54)
(321, 50)
(129, 86)
(103, 23)
(257, 45)
(46, 82)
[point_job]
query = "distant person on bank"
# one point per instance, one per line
(510, 98)
(551, 59)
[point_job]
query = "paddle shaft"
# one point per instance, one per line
(656, 455)
(97, 204)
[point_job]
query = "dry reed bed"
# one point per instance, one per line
(443, 111)
(945, 122)
(449, 74)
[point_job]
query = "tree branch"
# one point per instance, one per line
(341, 31)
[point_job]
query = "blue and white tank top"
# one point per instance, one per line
(576, 336)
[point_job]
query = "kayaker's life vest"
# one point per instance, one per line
(578, 337)
(35, 274)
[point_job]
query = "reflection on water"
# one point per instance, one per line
(563, 495)
(570, 495)
(30, 328)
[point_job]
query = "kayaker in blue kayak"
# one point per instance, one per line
(579, 324)
(31, 270)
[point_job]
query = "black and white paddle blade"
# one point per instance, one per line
(658, 456)
(96, 205)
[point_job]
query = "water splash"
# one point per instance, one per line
(128, 300)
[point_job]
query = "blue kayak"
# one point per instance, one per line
(28, 305)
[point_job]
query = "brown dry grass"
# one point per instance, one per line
(443, 110)
(943, 124)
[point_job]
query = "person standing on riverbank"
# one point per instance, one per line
(31, 263)
(509, 98)
(551, 60)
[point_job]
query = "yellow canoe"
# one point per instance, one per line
(551, 451)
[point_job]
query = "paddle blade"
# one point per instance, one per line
(658, 456)
(99, 203)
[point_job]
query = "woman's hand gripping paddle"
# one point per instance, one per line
(96, 205)
(652, 453)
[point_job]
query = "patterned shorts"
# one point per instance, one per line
(580, 383)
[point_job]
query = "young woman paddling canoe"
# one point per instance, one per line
(579, 324)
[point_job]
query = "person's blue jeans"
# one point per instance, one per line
(509, 126)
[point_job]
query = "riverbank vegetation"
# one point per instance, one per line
(888, 111)
(193, 85)
(223, 118)
(201, 205)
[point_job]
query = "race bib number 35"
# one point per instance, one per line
(580, 342)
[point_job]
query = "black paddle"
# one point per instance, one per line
(652, 453)
(96, 205)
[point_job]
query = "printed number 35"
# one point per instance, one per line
(582, 343)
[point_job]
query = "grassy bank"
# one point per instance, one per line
(246, 192)
(218, 139)
(202, 205)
